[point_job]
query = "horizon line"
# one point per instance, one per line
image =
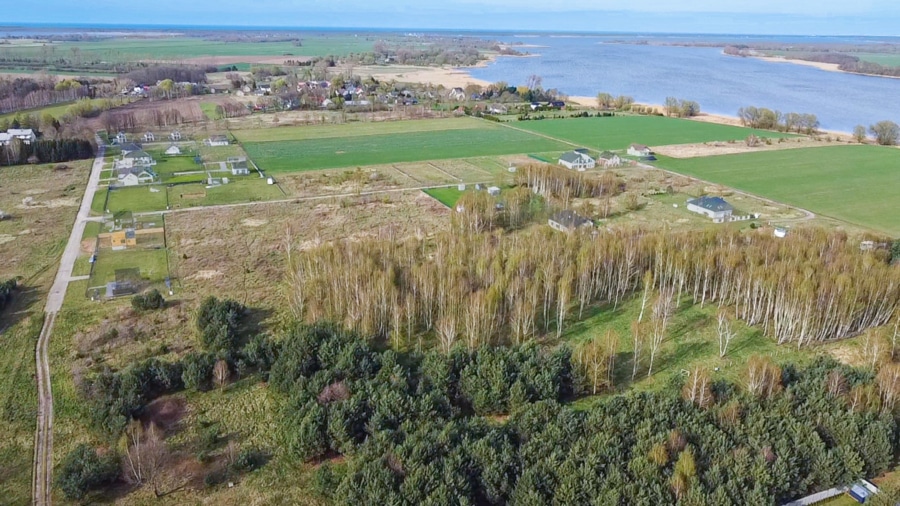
(217, 27)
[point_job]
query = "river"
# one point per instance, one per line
(721, 84)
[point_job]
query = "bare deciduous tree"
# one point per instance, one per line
(724, 330)
(145, 455)
(221, 373)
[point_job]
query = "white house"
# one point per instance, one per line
(173, 150)
(216, 140)
(26, 135)
(780, 232)
(714, 207)
(493, 191)
(141, 158)
(577, 160)
(149, 137)
(609, 159)
(137, 177)
(498, 109)
(175, 136)
(240, 168)
(639, 150)
(121, 138)
(457, 95)
(568, 221)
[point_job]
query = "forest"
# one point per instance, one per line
(46, 151)
(487, 288)
(26, 93)
(432, 428)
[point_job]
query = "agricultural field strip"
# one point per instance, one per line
(618, 132)
(348, 130)
(855, 184)
(317, 154)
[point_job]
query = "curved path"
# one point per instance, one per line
(42, 477)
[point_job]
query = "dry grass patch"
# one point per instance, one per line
(732, 148)
(214, 252)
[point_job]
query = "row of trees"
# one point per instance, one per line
(25, 93)
(45, 151)
(681, 108)
(608, 101)
(555, 182)
(767, 119)
(413, 428)
(485, 289)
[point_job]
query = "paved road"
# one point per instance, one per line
(42, 477)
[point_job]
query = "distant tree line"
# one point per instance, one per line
(178, 73)
(681, 108)
(768, 119)
(25, 93)
(845, 62)
(46, 151)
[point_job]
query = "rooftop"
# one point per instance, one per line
(717, 204)
(570, 219)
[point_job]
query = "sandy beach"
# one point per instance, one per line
(830, 67)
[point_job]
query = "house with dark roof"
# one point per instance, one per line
(568, 221)
(578, 160)
(715, 207)
(639, 150)
(128, 147)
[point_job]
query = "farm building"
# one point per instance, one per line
(577, 160)
(173, 150)
(149, 137)
(639, 150)
(715, 207)
(609, 159)
(216, 140)
(568, 221)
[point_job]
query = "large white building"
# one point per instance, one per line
(26, 135)
(577, 160)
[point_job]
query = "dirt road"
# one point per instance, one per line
(42, 477)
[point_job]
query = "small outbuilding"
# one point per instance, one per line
(569, 221)
(493, 191)
(780, 232)
(173, 150)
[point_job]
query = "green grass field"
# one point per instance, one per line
(295, 133)
(250, 189)
(56, 110)
(18, 405)
(362, 146)
(888, 60)
(447, 196)
(618, 132)
(209, 109)
(857, 184)
(138, 199)
(130, 49)
(151, 262)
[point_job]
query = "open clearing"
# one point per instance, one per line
(618, 132)
(373, 149)
(857, 184)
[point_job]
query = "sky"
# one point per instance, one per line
(801, 17)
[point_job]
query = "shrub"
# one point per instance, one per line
(82, 470)
(148, 301)
(217, 322)
(198, 368)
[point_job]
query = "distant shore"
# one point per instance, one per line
(830, 67)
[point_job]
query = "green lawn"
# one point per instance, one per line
(209, 109)
(857, 184)
(18, 405)
(888, 60)
(296, 133)
(618, 132)
(385, 148)
(169, 165)
(56, 110)
(250, 189)
(447, 196)
(138, 199)
(151, 262)
(131, 49)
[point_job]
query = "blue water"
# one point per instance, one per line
(585, 66)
